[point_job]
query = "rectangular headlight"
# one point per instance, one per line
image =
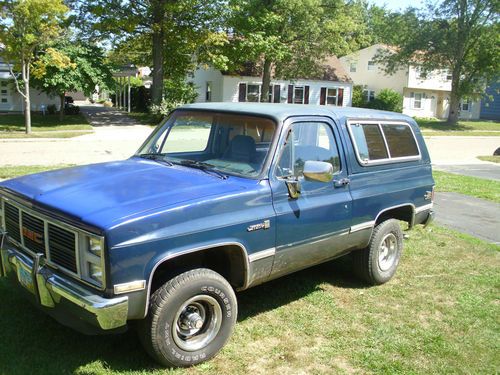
(95, 272)
(95, 246)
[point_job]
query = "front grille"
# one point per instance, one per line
(33, 233)
(12, 222)
(62, 245)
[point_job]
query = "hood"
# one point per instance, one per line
(106, 194)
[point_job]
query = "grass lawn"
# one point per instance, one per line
(473, 186)
(440, 314)
(476, 128)
(48, 126)
(492, 158)
(11, 171)
(146, 118)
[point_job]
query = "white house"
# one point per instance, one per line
(332, 87)
(12, 101)
(424, 95)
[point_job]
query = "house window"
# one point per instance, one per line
(4, 93)
(208, 92)
(331, 96)
(368, 95)
(298, 95)
(371, 65)
(449, 76)
(465, 106)
(353, 67)
(253, 93)
(417, 100)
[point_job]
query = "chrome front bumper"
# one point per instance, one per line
(50, 289)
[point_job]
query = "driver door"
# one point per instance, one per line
(315, 226)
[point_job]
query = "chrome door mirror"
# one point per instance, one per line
(318, 171)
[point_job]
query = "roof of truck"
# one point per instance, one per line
(283, 111)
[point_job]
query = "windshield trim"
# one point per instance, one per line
(263, 173)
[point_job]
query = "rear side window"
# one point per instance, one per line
(378, 143)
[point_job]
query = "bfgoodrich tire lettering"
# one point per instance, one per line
(190, 319)
(377, 263)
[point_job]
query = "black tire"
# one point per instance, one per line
(164, 332)
(370, 264)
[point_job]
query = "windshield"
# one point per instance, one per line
(227, 143)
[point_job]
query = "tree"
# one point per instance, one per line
(26, 25)
(71, 66)
(461, 36)
(292, 37)
(169, 34)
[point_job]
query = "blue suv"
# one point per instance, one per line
(221, 197)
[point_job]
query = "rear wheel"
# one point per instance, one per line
(190, 318)
(377, 263)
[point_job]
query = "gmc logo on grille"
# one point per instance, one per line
(33, 236)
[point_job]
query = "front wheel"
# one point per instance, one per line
(377, 263)
(190, 318)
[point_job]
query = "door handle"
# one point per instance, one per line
(342, 182)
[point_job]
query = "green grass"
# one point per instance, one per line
(469, 128)
(146, 118)
(492, 158)
(11, 171)
(473, 186)
(440, 314)
(12, 126)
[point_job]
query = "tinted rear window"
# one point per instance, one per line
(400, 140)
(370, 142)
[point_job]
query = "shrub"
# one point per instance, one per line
(108, 103)
(358, 99)
(51, 109)
(71, 110)
(388, 100)
(177, 93)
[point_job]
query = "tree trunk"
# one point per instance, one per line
(27, 102)
(61, 110)
(158, 43)
(266, 81)
(454, 109)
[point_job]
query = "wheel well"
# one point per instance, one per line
(403, 213)
(228, 260)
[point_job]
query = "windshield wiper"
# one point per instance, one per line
(206, 167)
(160, 158)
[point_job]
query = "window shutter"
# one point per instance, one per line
(340, 97)
(242, 92)
(322, 96)
(306, 95)
(290, 93)
(277, 93)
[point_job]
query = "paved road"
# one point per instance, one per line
(486, 170)
(474, 216)
(457, 150)
(107, 143)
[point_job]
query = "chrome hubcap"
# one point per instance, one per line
(387, 252)
(197, 323)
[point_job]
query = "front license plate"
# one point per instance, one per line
(26, 279)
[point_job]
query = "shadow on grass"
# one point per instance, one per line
(32, 342)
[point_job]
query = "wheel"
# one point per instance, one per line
(190, 318)
(377, 263)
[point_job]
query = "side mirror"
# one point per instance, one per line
(318, 171)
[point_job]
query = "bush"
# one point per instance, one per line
(358, 99)
(51, 109)
(388, 100)
(108, 103)
(177, 93)
(72, 110)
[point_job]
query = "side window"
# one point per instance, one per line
(369, 141)
(383, 142)
(400, 140)
(308, 141)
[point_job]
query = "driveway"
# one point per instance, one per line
(474, 216)
(458, 150)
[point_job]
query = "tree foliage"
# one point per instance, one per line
(292, 37)
(461, 36)
(25, 26)
(71, 66)
(171, 36)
